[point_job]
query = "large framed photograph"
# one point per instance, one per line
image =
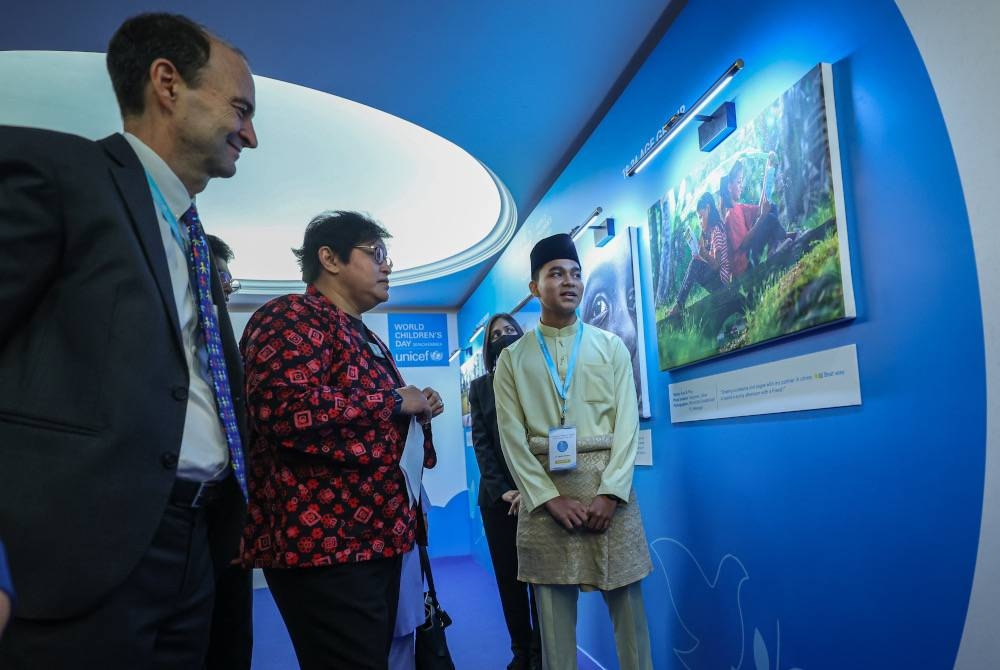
(612, 300)
(751, 245)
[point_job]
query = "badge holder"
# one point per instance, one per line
(562, 448)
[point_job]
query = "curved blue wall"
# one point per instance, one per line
(841, 538)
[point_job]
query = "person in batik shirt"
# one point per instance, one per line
(329, 513)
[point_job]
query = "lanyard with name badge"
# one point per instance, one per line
(562, 439)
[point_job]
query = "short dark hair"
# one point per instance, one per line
(340, 231)
(220, 249)
(144, 38)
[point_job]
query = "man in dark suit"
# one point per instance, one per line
(121, 462)
(498, 501)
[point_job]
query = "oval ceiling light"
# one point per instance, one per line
(446, 211)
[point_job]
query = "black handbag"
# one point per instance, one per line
(432, 646)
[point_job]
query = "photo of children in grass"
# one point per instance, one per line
(751, 245)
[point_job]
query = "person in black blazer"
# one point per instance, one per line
(117, 491)
(498, 501)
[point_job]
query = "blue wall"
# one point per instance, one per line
(449, 528)
(841, 538)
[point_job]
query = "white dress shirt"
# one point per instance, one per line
(204, 452)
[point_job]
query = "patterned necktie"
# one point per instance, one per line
(199, 264)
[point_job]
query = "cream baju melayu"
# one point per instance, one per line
(602, 406)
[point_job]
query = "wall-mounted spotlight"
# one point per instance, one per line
(717, 127)
(603, 232)
(678, 121)
(578, 232)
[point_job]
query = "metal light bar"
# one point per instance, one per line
(454, 355)
(684, 116)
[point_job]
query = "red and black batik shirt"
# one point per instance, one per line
(324, 477)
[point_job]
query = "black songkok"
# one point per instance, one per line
(551, 248)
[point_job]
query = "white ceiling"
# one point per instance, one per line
(445, 210)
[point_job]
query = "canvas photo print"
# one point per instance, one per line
(611, 300)
(751, 245)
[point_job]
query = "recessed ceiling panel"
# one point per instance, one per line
(317, 152)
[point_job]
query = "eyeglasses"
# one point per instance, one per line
(498, 332)
(377, 252)
(229, 285)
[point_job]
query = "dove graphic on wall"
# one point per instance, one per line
(707, 605)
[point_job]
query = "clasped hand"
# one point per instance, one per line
(513, 497)
(572, 514)
(427, 402)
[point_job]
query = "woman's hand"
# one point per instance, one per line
(414, 401)
(434, 401)
(514, 498)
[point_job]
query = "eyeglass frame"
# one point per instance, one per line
(227, 279)
(374, 250)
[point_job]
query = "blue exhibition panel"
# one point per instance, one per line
(841, 538)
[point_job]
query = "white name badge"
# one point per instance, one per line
(562, 448)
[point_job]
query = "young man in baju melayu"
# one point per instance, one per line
(569, 421)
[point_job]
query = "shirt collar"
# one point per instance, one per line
(549, 331)
(166, 180)
(327, 304)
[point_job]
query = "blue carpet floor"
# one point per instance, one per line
(478, 638)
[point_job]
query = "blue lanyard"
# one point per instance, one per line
(161, 204)
(561, 389)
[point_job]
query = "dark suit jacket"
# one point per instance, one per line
(494, 476)
(93, 380)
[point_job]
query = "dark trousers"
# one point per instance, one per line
(698, 272)
(339, 616)
(516, 599)
(158, 618)
(767, 233)
(231, 641)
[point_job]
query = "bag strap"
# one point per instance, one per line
(431, 596)
(425, 568)
(425, 561)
